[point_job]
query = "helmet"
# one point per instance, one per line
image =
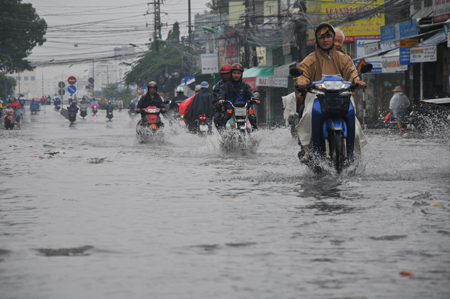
(237, 67)
(109, 102)
(180, 89)
(152, 84)
(324, 27)
(256, 94)
(197, 88)
(204, 84)
(225, 69)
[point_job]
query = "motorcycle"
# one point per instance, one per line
(72, 117)
(83, 112)
(57, 106)
(94, 110)
(333, 121)
(34, 108)
(109, 115)
(202, 125)
(238, 128)
(148, 125)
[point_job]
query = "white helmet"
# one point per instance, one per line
(180, 89)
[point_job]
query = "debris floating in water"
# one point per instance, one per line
(54, 153)
(435, 205)
(406, 273)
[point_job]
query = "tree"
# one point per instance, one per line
(7, 86)
(21, 29)
(218, 6)
(158, 65)
(111, 91)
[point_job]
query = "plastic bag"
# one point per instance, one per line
(387, 117)
(184, 106)
(248, 124)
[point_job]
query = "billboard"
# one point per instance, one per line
(210, 63)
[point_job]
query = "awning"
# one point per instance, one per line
(250, 75)
(438, 38)
(259, 71)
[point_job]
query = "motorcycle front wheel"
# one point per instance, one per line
(337, 150)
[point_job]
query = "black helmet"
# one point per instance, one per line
(152, 84)
(237, 67)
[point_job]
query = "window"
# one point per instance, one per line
(25, 78)
(428, 3)
(417, 4)
(18, 78)
(33, 78)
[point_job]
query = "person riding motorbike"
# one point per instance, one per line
(72, 109)
(109, 107)
(151, 98)
(236, 91)
(56, 100)
(94, 103)
(225, 72)
(325, 60)
(202, 104)
(180, 97)
(120, 104)
(22, 101)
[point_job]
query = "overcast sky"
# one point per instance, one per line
(97, 26)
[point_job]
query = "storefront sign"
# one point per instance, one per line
(405, 46)
(281, 82)
(441, 10)
(210, 63)
(281, 71)
(424, 54)
(392, 64)
(365, 47)
(398, 31)
(251, 81)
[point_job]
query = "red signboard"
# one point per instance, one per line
(251, 81)
(72, 80)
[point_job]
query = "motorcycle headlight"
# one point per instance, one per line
(335, 85)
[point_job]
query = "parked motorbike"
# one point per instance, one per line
(333, 121)
(109, 115)
(238, 128)
(148, 125)
(94, 110)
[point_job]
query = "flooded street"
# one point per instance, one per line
(110, 217)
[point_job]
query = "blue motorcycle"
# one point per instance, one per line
(333, 121)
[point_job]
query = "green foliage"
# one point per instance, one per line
(219, 6)
(21, 29)
(158, 65)
(7, 85)
(111, 91)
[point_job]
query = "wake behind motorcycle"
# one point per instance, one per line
(238, 128)
(148, 125)
(333, 121)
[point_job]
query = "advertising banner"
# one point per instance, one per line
(424, 54)
(331, 10)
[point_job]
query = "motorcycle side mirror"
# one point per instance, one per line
(366, 68)
(296, 72)
(166, 102)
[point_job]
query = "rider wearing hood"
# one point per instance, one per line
(180, 97)
(202, 104)
(324, 61)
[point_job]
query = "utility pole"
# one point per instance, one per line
(247, 28)
(189, 22)
(157, 25)
(255, 54)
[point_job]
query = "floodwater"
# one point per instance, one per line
(110, 217)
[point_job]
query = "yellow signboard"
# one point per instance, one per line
(332, 12)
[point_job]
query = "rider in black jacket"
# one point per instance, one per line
(152, 98)
(225, 72)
